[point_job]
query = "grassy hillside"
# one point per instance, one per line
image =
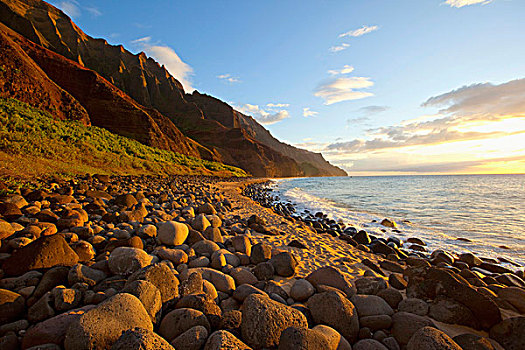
(33, 144)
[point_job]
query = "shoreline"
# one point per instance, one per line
(75, 249)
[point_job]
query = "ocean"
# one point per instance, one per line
(488, 210)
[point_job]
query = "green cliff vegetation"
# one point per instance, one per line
(33, 144)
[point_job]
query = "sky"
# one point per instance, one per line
(379, 87)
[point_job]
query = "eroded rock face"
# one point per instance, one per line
(263, 320)
(45, 252)
(100, 327)
(336, 311)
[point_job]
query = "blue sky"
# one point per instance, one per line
(348, 78)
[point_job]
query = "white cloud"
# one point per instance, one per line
(461, 3)
(71, 8)
(345, 70)
(278, 105)
(338, 48)
(344, 89)
(361, 31)
(229, 78)
(309, 113)
(166, 56)
(263, 116)
(93, 11)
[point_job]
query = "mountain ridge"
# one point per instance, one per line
(151, 85)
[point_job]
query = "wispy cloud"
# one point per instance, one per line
(338, 48)
(74, 9)
(277, 105)
(229, 78)
(345, 70)
(166, 56)
(358, 32)
(461, 3)
(266, 116)
(344, 89)
(371, 110)
(309, 113)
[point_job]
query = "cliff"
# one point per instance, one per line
(209, 121)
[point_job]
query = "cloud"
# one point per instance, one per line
(229, 78)
(371, 110)
(343, 89)
(166, 56)
(461, 3)
(361, 31)
(338, 48)
(74, 10)
(263, 116)
(358, 120)
(345, 70)
(483, 99)
(278, 105)
(308, 113)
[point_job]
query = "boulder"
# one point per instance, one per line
(335, 340)
(448, 310)
(336, 311)
(405, 324)
(302, 290)
(126, 260)
(293, 338)
(331, 276)
(193, 339)
(515, 296)
(161, 277)
(44, 253)
(414, 306)
(369, 344)
(224, 340)
(6, 230)
(100, 327)
(261, 252)
(263, 321)
(176, 256)
(509, 333)
(180, 320)
(242, 244)
(222, 282)
(148, 295)
(172, 233)
(473, 342)
(141, 339)
(430, 338)
(12, 305)
(84, 274)
(392, 296)
(370, 305)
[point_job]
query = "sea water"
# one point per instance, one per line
(487, 210)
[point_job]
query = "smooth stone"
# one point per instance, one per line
(414, 306)
(370, 305)
(302, 290)
(293, 338)
(333, 277)
(405, 324)
(141, 339)
(509, 333)
(172, 233)
(369, 344)
(432, 339)
(126, 260)
(192, 339)
(181, 320)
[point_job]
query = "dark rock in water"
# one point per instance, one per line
(416, 240)
(296, 244)
(382, 248)
(463, 239)
(362, 237)
(494, 268)
(473, 342)
(511, 280)
(509, 333)
(45, 252)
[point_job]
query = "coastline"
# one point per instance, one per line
(204, 246)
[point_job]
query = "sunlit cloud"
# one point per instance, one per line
(371, 110)
(264, 116)
(166, 56)
(338, 48)
(345, 70)
(309, 113)
(361, 31)
(479, 128)
(461, 3)
(344, 89)
(278, 105)
(229, 78)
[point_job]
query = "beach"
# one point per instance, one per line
(194, 262)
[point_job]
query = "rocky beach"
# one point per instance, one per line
(189, 262)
